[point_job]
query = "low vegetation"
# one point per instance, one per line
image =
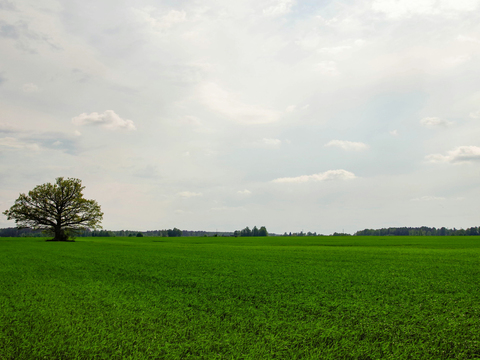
(240, 298)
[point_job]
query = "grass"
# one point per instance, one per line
(240, 298)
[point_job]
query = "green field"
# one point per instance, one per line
(240, 298)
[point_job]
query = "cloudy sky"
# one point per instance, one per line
(204, 114)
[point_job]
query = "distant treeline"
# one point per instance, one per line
(262, 231)
(419, 231)
(27, 232)
(254, 232)
(157, 233)
(14, 232)
(301, 233)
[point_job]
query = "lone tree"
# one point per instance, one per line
(58, 208)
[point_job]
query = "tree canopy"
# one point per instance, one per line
(254, 232)
(58, 208)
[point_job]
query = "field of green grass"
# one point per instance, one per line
(240, 298)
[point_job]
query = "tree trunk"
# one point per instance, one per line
(60, 235)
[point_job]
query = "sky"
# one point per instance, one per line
(321, 116)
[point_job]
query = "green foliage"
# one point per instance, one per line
(263, 231)
(241, 298)
(339, 234)
(139, 234)
(254, 232)
(246, 232)
(150, 233)
(14, 232)
(420, 231)
(174, 232)
(58, 209)
(97, 233)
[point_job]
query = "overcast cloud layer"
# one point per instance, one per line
(204, 115)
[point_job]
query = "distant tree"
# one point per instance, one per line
(174, 232)
(246, 232)
(472, 231)
(139, 234)
(255, 231)
(58, 209)
(263, 231)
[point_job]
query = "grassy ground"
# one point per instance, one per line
(240, 298)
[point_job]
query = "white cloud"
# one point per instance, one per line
(190, 120)
(279, 7)
(458, 155)
(290, 108)
(459, 5)
(327, 68)
(77, 133)
(108, 120)
(475, 114)
(230, 106)
(244, 192)
(394, 132)
(180, 211)
(189, 194)
(463, 38)
(174, 17)
(265, 143)
(271, 143)
(160, 22)
(456, 60)
(327, 175)
(339, 49)
(30, 87)
(347, 145)
(13, 143)
(406, 8)
(428, 198)
(359, 42)
(228, 208)
(435, 122)
(334, 50)
(399, 8)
